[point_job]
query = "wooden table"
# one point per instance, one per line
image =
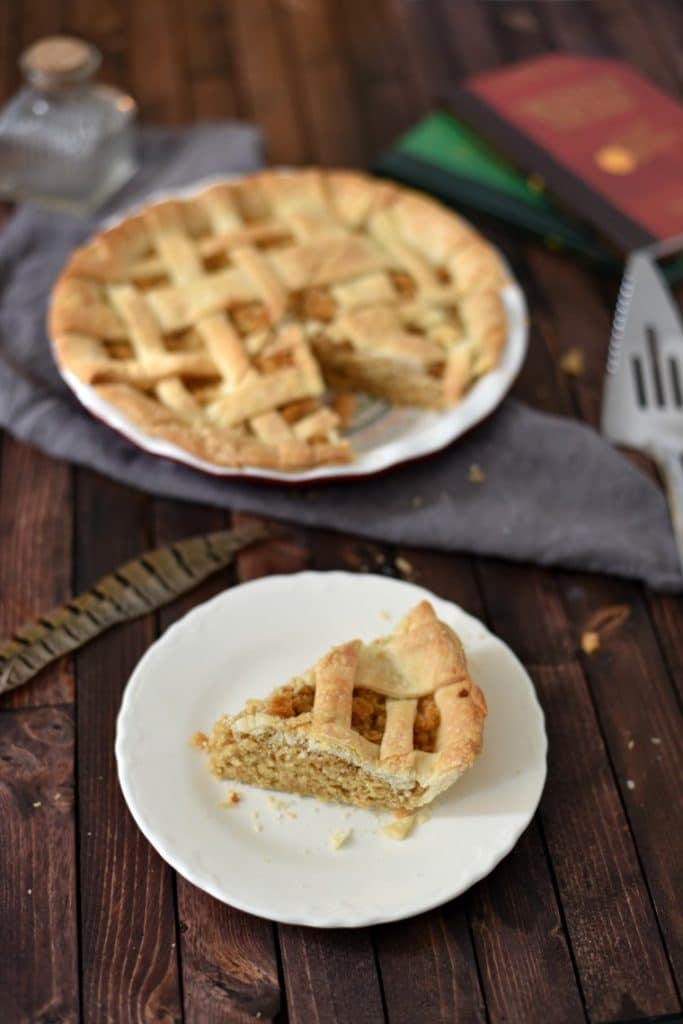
(581, 920)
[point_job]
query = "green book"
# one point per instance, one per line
(442, 156)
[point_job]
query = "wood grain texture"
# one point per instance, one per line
(432, 955)
(581, 918)
(35, 558)
(37, 19)
(545, 966)
(667, 616)
(605, 901)
(415, 32)
(265, 74)
(228, 958)
(595, 593)
(386, 102)
(466, 29)
(157, 62)
(623, 30)
(533, 981)
(522, 950)
(136, 588)
(330, 975)
(128, 938)
(321, 969)
(38, 973)
(211, 85)
(104, 23)
(604, 896)
(557, 290)
(664, 23)
(324, 83)
(553, 646)
(639, 716)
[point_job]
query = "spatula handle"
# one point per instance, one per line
(670, 465)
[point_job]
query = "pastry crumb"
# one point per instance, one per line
(400, 828)
(630, 745)
(403, 565)
(37, 803)
(590, 642)
(338, 839)
(29, 892)
(379, 558)
(257, 826)
(231, 799)
(476, 474)
(276, 804)
(423, 815)
(384, 614)
(630, 784)
(200, 740)
(656, 740)
(573, 362)
(602, 623)
(404, 822)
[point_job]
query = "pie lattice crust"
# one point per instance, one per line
(308, 737)
(219, 322)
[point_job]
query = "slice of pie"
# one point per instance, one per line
(226, 322)
(387, 724)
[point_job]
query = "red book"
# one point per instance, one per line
(607, 142)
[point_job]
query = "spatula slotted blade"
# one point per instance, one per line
(643, 402)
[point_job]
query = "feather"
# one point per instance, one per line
(137, 588)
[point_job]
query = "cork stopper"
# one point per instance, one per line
(59, 60)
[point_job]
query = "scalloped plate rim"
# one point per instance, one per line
(333, 915)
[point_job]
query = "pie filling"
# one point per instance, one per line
(348, 729)
(291, 766)
(368, 713)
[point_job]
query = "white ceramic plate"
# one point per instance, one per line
(382, 435)
(277, 862)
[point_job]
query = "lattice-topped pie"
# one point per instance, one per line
(388, 724)
(222, 321)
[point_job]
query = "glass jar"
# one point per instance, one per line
(65, 141)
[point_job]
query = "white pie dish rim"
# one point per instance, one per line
(418, 433)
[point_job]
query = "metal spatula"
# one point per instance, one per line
(643, 400)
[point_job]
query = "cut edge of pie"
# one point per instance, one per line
(388, 724)
(218, 322)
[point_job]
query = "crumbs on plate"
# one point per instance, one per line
(231, 799)
(338, 839)
(404, 823)
(199, 740)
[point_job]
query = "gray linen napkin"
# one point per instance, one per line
(553, 491)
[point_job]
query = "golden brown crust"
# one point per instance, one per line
(220, 447)
(186, 301)
(426, 730)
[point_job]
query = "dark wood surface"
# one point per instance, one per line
(583, 919)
